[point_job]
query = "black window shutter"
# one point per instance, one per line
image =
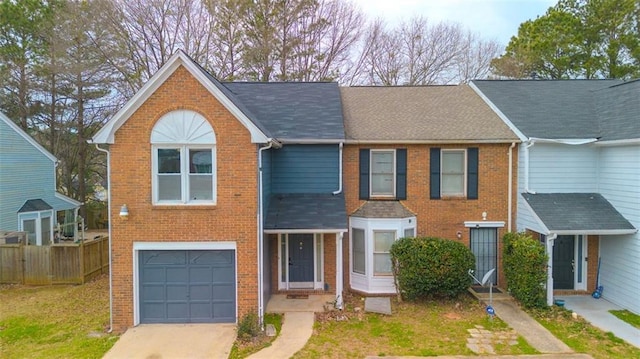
(434, 180)
(364, 174)
(401, 173)
(472, 173)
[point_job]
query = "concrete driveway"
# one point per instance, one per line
(169, 341)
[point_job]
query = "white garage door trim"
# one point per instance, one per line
(168, 246)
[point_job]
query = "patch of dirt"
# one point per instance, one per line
(452, 316)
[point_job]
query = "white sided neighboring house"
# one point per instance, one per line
(579, 179)
(29, 201)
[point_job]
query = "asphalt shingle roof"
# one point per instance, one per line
(294, 110)
(555, 109)
(34, 205)
(576, 212)
(306, 211)
(420, 113)
(383, 209)
(618, 109)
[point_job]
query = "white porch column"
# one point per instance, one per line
(339, 271)
(550, 242)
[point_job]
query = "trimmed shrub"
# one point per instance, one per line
(249, 326)
(525, 266)
(427, 267)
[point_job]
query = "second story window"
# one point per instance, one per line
(383, 173)
(453, 172)
(184, 166)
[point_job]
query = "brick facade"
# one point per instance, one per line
(233, 218)
(445, 217)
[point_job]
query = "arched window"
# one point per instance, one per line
(184, 159)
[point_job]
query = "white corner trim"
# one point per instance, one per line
(484, 224)
(500, 114)
(107, 133)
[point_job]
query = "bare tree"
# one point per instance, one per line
(419, 53)
(474, 60)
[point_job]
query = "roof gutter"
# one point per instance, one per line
(595, 232)
(429, 142)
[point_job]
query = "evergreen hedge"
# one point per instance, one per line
(525, 266)
(427, 267)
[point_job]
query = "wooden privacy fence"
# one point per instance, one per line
(54, 264)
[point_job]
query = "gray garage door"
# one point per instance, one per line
(187, 286)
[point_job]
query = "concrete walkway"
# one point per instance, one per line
(532, 331)
(297, 328)
(596, 311)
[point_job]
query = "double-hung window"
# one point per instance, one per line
(453, 173)
(184, 159)
(383, 173)
(382, 241)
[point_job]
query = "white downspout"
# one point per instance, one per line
(110, 238)
(510, 196)
(339, 275)
(550, 243)
(526, 166)
(339, 171)
(261, 237)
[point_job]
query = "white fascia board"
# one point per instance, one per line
(303, 231)
(567, 141)
(209, 245)
(500, 114)
(28, 138)
(484, 224)
(601, 232)
(429, 142)
(628, 142)
(106, 134)
(68, 199)
(306, 141)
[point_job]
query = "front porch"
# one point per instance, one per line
(282, 303)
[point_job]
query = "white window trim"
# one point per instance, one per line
(170, 246)
(370, 283)
(464, 173)
(374, 252)
(352, 251)
(318, 268)
(393, 186)
(37, 216)
(184, 174)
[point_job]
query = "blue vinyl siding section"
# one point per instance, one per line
(305, 169)
(25, 173)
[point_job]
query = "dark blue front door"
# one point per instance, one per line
(301, 258)
(563, 262)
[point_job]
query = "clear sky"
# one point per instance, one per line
(492, 19)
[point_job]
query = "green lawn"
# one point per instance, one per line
(582, 337)
(55, 321)
(627, 316)
(70, 322)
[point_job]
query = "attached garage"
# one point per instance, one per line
(186, 285)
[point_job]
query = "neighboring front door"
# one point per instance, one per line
(484, 245)
(563, 262)
(301, 261)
